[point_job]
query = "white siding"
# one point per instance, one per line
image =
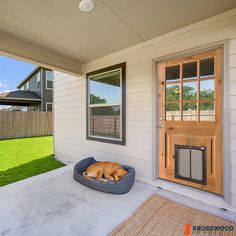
(70, 98)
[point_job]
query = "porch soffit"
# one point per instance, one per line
(57, 34)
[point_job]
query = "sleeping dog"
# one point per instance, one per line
(105, 171)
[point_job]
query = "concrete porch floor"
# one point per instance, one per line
(54, 204)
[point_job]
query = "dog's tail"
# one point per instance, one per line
(85, 175)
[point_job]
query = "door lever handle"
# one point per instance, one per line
(161, 126)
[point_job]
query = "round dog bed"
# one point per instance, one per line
(121, 187)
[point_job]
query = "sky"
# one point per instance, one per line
(12, 72)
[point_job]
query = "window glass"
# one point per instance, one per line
(105, 121)
(27, 86)
(190, 70)
(207, 67)
(207, 111)
(49, 106)
(172, 111)
(105, 88)
(49, 79)
(105, 116)
(190, 111)
(38, 81)
(207, 89)
(189, 91)
(173, 73)
(172, 92)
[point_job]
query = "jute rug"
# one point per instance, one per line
(160, 216)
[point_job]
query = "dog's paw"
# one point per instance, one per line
(104, 180)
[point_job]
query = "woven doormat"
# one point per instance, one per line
(160, 216)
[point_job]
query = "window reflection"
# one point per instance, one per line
(207, 111)
(207, 89)
(189, 91)
(190, 70)
(207, 67)
(105, 88)
(172, 111)
(105, 121)
(190, 111)
(173, 73)
(172, 92)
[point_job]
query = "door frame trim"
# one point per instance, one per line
(226, 170)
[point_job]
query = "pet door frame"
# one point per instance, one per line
(189, 147)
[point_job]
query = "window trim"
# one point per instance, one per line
(49, 80)
(122, 67)
(49, 103)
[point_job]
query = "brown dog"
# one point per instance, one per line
(104, 171)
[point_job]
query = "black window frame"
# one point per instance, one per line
(121, 66)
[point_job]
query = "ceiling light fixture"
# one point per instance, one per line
(86, 5)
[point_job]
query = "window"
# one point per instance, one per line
(106, 104)
(38, 81)
(190, 90)
(49, 106)
(49, 79)
(27, 85)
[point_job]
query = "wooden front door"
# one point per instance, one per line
(189, 121)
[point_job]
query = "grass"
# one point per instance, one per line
(26, 157)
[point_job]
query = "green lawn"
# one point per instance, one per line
(26, 157)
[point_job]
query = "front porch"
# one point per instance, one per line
(54, 204)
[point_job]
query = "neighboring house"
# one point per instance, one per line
(40, 81)
(35, 92)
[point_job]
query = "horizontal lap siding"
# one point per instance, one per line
(70, 97)
(70, 124)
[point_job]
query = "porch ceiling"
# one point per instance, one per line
(58, 34)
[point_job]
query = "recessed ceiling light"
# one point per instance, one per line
(86, 5)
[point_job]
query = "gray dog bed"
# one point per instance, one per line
(121, 187)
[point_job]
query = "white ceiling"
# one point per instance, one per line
(59, 27)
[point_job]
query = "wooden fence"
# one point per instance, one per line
(106, 125)
(14, 124)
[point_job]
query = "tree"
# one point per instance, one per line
(189, 93)
(96, 99)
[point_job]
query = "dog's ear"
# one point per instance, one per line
(121, 172)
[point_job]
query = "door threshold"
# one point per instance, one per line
(206, 197)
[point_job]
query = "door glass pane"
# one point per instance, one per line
(105, 121)
(190, 70)
(190, 91)
(197, 164)
(172, 111)
(190, 111)
(207, 67)
(105, 88)
(207, 89)
(173, 73)
(184, 162)
(172, 92)
(207, 111)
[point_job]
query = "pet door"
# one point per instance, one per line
(190, 163)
